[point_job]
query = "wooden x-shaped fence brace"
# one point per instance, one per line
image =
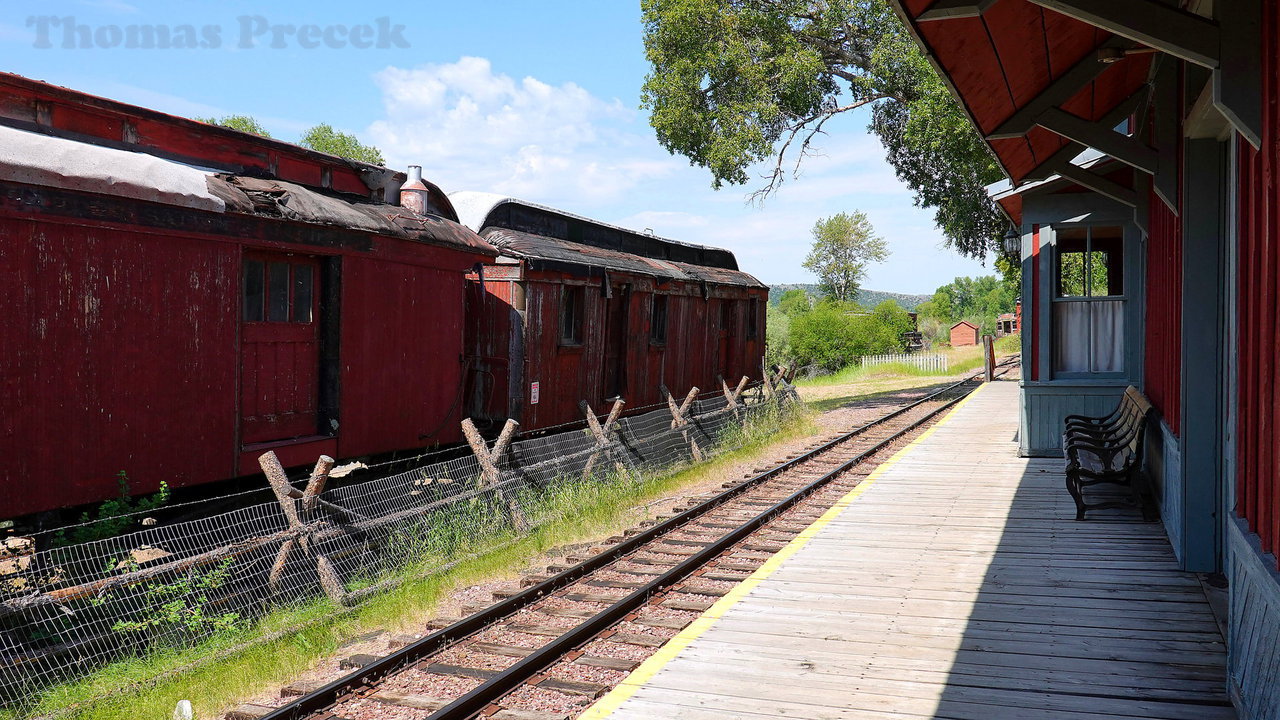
(601, 434)
(301, 519)
(680, 418)
(731, 397)
(490, 465)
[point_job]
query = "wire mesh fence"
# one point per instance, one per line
(67, 610)
(929, 363)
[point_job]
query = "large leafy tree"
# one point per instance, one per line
(327, 140)
(843, 245)
(243, 123)
(739, 82)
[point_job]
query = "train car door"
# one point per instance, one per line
(725, 334)
(280, 347)
(615, 344)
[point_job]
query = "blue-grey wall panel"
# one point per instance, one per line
(1254, 645)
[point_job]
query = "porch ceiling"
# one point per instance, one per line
(1010, 61)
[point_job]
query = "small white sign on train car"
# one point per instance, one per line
(533, 393)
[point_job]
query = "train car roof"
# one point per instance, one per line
(34, 158)
(550, 253)
(531, 231)
(481, 210)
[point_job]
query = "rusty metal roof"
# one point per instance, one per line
(289, 201)
(529, 246)
(479, 211)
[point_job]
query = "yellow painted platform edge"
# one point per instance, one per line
(605, 706)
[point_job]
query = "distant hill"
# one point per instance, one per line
(867, 298)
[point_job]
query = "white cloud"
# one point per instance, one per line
(470, 127)
(473, 128)
(114, 6)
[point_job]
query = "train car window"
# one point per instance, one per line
(658, 320)
(278, 292)
(254, 288)
(726, 314)
(753, 317)
(571, 299)
(302, 293)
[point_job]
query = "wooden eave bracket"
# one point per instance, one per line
(1154, 24)
(1129, 106)
(1102, 138)
(1099, 184)
(1062, 89)
(953, 9)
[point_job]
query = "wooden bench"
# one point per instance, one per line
(1108, 449)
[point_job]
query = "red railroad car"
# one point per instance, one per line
(575, 309)
(179, 297)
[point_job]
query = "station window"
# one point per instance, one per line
(571, 301)
(1089, 301)
(278, 291)
(658, 319)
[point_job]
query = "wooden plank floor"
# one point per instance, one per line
(957, 585)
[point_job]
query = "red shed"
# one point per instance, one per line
(580, 310)
(964, 333)
(180, 297)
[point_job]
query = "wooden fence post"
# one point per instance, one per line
(767, 376)
(731, 396)
(288, 496)
(491, 475)
(988, 358)
(602, 435)
(680, 419)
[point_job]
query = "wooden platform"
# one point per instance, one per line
(954, 584)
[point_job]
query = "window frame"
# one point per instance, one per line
(1125, 298)
(658, 330)
(574, 326)
(293, 262)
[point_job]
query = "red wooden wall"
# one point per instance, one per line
(696, 351)
(121, 349)
(119, 354)
(1163, 325)
(1258, 482)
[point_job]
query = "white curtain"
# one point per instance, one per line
(1108, 335)
(1074, 322)
(1071, 336)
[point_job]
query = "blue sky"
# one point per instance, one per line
(535, 99)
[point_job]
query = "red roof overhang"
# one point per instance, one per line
(999, 62)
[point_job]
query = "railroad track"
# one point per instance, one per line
(546, 651)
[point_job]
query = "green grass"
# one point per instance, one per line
(856, 383)
(289, 641)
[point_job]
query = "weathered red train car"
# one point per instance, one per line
(179, 297)
(576, 309)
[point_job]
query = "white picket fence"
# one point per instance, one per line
(932, 363)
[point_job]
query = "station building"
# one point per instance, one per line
(1140, 139)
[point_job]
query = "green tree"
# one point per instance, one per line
(243, 123)
(978, 300)
(843, 244)
(327, 140)
(794, 302)
(738, 82)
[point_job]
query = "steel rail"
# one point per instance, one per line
(334, 692)
(495, 688)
